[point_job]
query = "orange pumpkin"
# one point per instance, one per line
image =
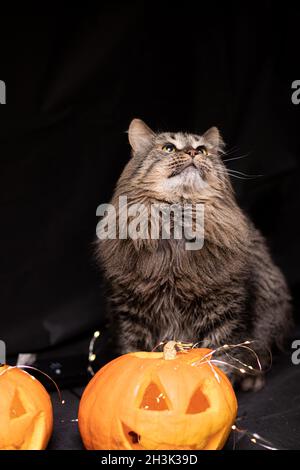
(142, 400)
(26, 416)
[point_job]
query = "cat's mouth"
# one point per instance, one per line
(188, 169)
(184, 180)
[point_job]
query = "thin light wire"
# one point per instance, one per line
(92, 355)
(253, 438)
(21, 366)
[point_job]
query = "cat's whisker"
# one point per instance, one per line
(236, 158)
(233, 172)
(242, 177)
(230, 150)
(242, 173)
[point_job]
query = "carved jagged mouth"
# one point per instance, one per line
(132, 437)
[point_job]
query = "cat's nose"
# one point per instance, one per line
(191, 152)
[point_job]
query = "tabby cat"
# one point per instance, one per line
(229, 291)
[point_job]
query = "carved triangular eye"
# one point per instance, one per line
(154, 399)
(198, 402)
(16, 408)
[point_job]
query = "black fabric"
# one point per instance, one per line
(74, 80)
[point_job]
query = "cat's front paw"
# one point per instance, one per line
(252, 383)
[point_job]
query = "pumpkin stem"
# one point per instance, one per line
(170, 350)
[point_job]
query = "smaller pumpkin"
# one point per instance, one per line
(26, 417)
(153, 400)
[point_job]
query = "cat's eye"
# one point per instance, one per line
(202, 149)
(169, 148)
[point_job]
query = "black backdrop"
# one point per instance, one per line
(74, 81)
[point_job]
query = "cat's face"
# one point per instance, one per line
(176, 165)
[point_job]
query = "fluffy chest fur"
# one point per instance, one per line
(169, 292)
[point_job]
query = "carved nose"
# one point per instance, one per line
(191, 152)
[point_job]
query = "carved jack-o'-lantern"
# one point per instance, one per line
(26, 416)
(143, 400)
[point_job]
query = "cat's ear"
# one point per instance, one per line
(213, 137)
(140, 136)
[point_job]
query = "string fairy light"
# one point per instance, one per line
(254, 438)
(92, 355)
(208, 358)
(23, 366)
